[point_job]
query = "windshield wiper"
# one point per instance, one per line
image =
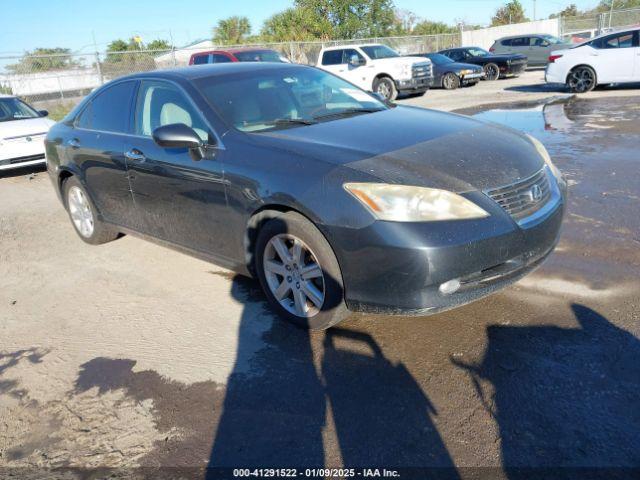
(348, 112)
(291, 121)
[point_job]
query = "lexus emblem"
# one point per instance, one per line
(535, 194)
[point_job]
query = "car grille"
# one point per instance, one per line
(30, 158)
(422, 70)
(524, 197)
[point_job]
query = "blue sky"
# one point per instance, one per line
(27, 24)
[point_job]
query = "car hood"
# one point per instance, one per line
(461, 66)
(415, 146)
(21, 128)
(396, 61)
(504, 57)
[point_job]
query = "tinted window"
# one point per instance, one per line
(624, 40)
(14, 109)
(201, 59)
(348, 53)
(439, 59)
(506, 43)
(258, 56)
(219, 58)
(478, 52)
(332, 57)
(160, 104)
(520, 42)
(109, 111)
(457, 55)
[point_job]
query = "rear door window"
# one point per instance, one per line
(110, 110)
(332, 57)
(348, 53)
(506, 43)
(201, 59)
(520, 42)
(219, 58)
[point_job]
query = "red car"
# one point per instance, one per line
(236, 55)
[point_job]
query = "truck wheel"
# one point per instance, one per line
(385, 87)
(450, 81)
(299, 272)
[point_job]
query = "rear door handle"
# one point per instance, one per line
(73, 143)
(134, 155)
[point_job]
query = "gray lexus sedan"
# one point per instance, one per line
(334, 200)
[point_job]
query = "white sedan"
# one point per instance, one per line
(608, 58)
(22, 133)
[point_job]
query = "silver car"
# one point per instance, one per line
(537, 47)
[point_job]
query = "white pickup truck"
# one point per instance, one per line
(378, 68)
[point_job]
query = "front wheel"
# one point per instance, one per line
(450, 81)
(581, 80)
(385, 87)
(299, 272)
(491, 71)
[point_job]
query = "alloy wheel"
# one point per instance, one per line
(582, 80)
(384, 90)
(80, 212)
(294, 275)
(491, 72)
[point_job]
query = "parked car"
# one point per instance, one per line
(22, 132)
(449, 74)
(333, 199)
(378, 68)
(608, 58)
(495, 66)
(237, 55)
(536, 47)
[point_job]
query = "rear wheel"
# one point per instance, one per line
(450, 81)
(491, 71)
(385, 87)
(299, 272)
(581, 79)
(84, 216)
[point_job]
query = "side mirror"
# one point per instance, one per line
(43, 113)
(178, 135)
(356, 61)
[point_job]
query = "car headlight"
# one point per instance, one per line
(402, 203)
(545, 156)
(466, 72)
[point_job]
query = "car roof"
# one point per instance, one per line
(236, 50)
(4, 95)
(194, 72)
(525, 35)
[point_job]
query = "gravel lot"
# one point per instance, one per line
(130, 354)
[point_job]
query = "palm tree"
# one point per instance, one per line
(231, 31)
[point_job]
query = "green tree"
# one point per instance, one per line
(231, 31)
(44, 59)
(512, 12)
(158, 44)
(605, 5)
(295, 24)
(353, 18)
(569, 11)
(427, 27)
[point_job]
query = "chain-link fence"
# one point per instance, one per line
(57, 82)
(583, 27)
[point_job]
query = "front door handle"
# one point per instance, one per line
(134, 155)
(73, 143)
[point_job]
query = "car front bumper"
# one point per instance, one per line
(22, 152)
(398, 268)
(414, 84)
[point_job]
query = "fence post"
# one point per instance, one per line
(99, 67)
(173, 55)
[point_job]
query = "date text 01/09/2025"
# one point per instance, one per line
(315, 473)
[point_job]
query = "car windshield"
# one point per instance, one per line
(478, 52)
(379, 51)
(258, 56)
(15, 109)
(281, 98)
(439, 59)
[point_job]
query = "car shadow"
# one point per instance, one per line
(316, 399)
(21, 171)
(563, 398)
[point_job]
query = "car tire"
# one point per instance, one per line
(581, 79)
(491, 72)
(386, 87)
(283, 280)
(450, 81)
(84, 216)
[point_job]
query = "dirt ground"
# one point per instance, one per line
(129, 354)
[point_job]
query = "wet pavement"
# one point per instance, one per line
(544, 374)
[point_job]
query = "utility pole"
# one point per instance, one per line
(98, 66)
(611, 13)
(534, 10)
